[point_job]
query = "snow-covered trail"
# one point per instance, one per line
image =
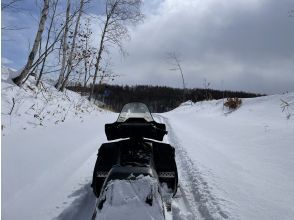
(54, 170)
(235, 166)
(47, 171)
(195, 196)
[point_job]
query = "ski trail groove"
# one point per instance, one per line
(201, 202)
(82, 207)
(194, 194)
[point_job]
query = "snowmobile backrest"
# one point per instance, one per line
(135, 128)
(107, 156)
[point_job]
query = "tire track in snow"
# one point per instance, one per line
(82, 207)
(193, 195)
(196, 190)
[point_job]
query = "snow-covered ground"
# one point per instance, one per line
(238, 165)
(31, 107)
(47, 160)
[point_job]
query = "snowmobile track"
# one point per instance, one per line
(196, 194)
(192, 201)
(82, 207)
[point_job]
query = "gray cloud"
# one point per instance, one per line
(239, 45)
(243, 45)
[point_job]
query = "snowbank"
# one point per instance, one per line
(29, 106)
(241, 163)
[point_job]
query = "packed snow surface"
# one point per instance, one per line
(47, 161)
(232, 164)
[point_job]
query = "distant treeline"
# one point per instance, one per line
(158, 98)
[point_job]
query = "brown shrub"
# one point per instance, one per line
(233, 103)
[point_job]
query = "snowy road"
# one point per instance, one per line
(46, 172)
(185, 206)
(236, 166)
(195, 197)
(54, 167)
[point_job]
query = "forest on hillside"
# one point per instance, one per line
(158, 98)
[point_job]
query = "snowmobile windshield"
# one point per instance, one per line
(135, 110)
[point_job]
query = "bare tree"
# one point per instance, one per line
(106, 73)
(64, 47)
(118, 14)
(176, 66)
(24, 73)
(50, 48)
(54, 6)
(71, 53)
(206, 85)
(88, 52)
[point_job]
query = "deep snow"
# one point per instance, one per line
(237, 165)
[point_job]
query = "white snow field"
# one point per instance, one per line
(237, 165)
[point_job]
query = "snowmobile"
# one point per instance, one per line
(137, 152)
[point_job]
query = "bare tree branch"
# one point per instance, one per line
(70, 58)
(10, 4)
(176, 66)
(118, 14)
(54, 6)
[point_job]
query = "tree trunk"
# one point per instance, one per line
(99, 57)
(86, 74)
(183, 80)
(47, 42)
(86, 62)
(64, 48)
(70, 58)
(18, 80)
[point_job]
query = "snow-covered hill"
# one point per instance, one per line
(30, 106)
(237, 165)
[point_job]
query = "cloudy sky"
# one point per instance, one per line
(233, 44)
